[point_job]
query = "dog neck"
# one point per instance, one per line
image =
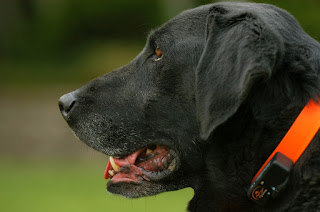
(274, 174)
(238, 148)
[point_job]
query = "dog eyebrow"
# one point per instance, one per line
(157, 40)
(152, 37)
(155, 36)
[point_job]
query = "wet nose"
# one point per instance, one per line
(66, 103)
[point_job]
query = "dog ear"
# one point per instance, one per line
(240, 49)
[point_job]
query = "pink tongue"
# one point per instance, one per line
(131, 174)
(130, 159)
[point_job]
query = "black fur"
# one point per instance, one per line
(232, 79)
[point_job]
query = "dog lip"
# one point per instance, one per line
(156, 176)
(123, 154)
(153, 169)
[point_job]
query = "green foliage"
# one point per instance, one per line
(55, 27)
(42, 41)
(83, 64)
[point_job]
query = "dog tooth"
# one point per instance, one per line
(148, 152)
(114, 165)
(111, 173)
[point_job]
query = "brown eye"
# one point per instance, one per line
(158, 54)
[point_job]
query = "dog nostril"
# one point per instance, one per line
(66, 102)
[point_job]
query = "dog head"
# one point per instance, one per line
(155, 115)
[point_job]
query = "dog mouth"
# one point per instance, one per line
(151, 163)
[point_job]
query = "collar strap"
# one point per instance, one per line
(273, 176)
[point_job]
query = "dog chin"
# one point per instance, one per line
(132, 190)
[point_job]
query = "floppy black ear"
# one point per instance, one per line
(239, 50)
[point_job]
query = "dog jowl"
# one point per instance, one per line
(203, 105)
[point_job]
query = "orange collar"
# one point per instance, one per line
(290, 148)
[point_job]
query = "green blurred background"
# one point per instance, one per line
(50, 47)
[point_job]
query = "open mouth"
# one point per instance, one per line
(149, 163)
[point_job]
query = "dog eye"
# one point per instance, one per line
(158, 54)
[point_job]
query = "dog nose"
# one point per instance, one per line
(66, 102)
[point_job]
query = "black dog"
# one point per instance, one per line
(203, 105)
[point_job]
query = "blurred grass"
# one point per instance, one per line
(72, 186)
